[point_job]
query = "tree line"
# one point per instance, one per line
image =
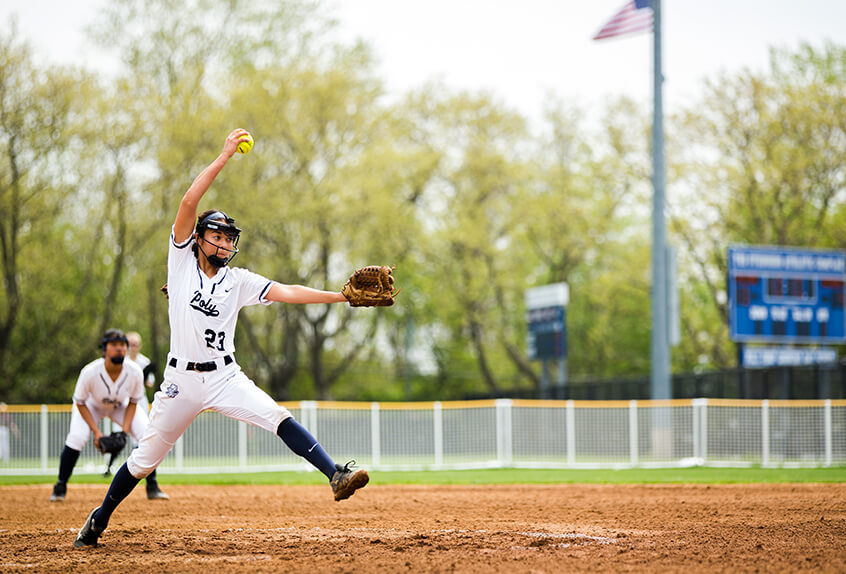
(454, 188)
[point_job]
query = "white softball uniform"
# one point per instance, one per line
(201, 373)
(143, 361)
(106, 398)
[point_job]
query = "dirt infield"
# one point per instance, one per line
(536, 528)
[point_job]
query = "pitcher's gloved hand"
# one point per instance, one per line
(371, 286)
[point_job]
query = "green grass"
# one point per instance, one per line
(696, 475)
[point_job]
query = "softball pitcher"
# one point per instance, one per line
(205, 296)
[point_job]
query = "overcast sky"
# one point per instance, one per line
(520, 50)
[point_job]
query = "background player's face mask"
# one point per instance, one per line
(116, 351)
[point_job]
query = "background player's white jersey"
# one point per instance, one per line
(143, 361)
(150, 379)
(95, 384)
(203, 311)
(140, 360)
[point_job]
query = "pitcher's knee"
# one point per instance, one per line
(137, 471)
(148, 456)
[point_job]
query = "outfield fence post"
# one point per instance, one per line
(633, 433)
(827, 431)
(703, 432)
(44, 438)
(765, 432)
(695, 405)
(375, 444)
(570, 424)
(504, 455)
(438, 421)
(242, 445)
(308, 410)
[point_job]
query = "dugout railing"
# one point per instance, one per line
(512, 433)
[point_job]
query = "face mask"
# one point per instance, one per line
(216, 261)
(117, 360)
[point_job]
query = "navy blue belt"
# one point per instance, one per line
(202, 367)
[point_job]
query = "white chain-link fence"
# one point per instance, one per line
(475, 434)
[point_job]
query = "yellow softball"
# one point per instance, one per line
(246, 146)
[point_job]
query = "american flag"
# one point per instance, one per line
(636, 16)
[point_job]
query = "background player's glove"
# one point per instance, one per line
(112, 444)
(371, 286)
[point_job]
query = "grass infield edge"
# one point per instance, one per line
(695, 475)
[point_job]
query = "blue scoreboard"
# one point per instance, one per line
(786, 295)
(547, 333)
(546, 316)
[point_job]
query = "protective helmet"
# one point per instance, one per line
(219, 221)
(113, 335)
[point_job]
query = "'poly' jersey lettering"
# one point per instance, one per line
(207, 308)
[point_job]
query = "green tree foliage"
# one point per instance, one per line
(451, 187)
(762, 162)
(311, 205)
(472, 147)
(39, 186)
(593, 234)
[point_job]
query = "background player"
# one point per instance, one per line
(204, 298)
(8, 427)
(146, 365)
(107, 387)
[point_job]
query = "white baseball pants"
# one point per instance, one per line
(185, 394)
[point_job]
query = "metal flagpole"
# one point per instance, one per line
(661, 388)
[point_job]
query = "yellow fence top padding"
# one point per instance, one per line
(537, 403)
(757, 403)
(666, 403)
(398, 406)
(421, 406)
(468, 404)
(36, 408)
(601, 404)
(734, 403)
(802, 403)
(489, 403)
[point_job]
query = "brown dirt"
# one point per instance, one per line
(537, 528)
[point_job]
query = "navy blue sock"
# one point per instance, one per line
(122, 485)
(67, 461)
(304, 444)
(151, 480)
